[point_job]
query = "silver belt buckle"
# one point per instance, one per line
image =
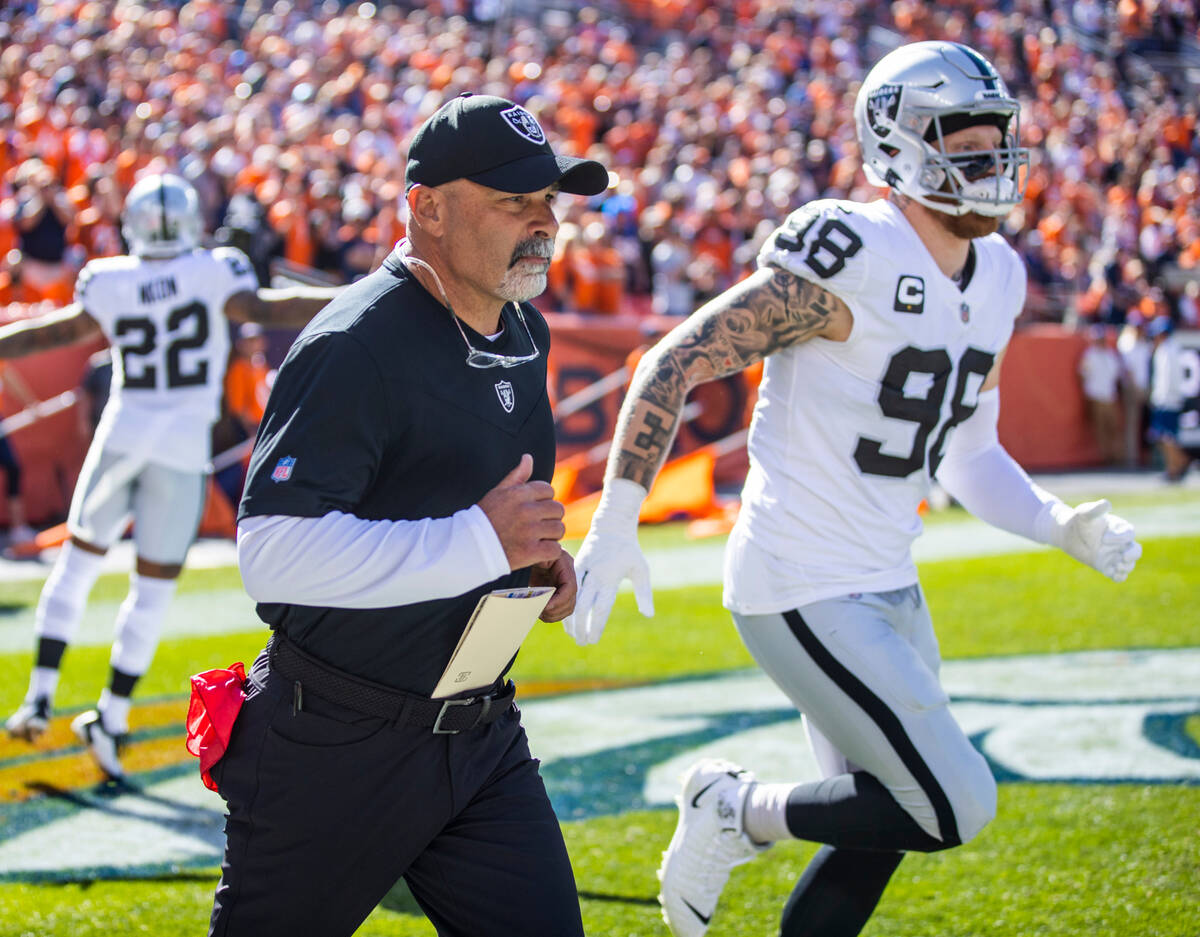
(437, 723)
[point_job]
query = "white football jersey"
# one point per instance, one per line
(165, 320)
(846, 435)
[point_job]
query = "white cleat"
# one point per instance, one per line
(30, 720)
(708, 842)
(102, 745)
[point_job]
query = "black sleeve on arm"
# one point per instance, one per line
(324, 432)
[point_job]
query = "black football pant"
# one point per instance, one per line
(329, 808)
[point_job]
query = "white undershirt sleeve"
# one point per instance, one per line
(987, 481)
(343, 561)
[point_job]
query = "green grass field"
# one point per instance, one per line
(1060, 859)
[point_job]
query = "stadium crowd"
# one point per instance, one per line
(717, 119)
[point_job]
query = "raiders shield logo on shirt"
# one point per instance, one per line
(504, 390)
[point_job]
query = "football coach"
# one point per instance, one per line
(402, 470)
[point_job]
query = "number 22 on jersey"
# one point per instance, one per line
(138, 338)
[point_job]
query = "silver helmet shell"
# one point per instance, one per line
(161, 217)
(911, 100)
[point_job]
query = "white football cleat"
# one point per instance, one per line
(30, 720)
(708, 842)
(102, 745)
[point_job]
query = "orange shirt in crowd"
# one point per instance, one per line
(597, 279)
(298, 244)
(8, 236)
(9, 292)
(558, 277)
(580, 124)
(247, 386)
(385, 229)
(58, 291)
(713, 241)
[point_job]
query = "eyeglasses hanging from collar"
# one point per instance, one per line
(478, 357)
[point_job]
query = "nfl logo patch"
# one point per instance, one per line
(964, 312)
(283, 469)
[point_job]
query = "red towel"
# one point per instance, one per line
(217, 697)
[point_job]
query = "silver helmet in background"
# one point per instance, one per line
(162, 217)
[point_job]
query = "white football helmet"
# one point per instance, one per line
(162, 217)
(911, 100)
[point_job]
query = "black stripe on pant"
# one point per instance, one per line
(855, 810)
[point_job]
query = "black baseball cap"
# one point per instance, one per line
(496, 143)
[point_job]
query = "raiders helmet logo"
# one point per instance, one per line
(504, 390)
(525, 124)
(883, 104)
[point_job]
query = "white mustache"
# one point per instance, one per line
(534, 247)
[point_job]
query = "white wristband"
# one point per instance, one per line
(620, 504)
(1051, 520)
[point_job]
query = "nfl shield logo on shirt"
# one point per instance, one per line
(504, 390)
(283, 469)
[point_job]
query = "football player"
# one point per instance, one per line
(165, 310)
(883, 326)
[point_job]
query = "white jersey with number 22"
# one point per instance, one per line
(846, 436)
(165, 320)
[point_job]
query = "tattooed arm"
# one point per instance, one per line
(763, 314)
(768, 311)
(61, 327)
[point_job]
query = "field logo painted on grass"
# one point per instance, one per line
(1096, 717)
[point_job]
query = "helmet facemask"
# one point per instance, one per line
(990, 182)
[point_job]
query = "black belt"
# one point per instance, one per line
(442, 716)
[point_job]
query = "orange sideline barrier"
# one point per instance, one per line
(220, 517)
(1042, 419)
(50, 450)
(684, 488)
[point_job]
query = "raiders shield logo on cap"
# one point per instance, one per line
(525, 124)
(504, 390)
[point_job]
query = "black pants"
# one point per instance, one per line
(329, 808)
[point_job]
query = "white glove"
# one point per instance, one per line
(610, 553)
(1092, 535)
